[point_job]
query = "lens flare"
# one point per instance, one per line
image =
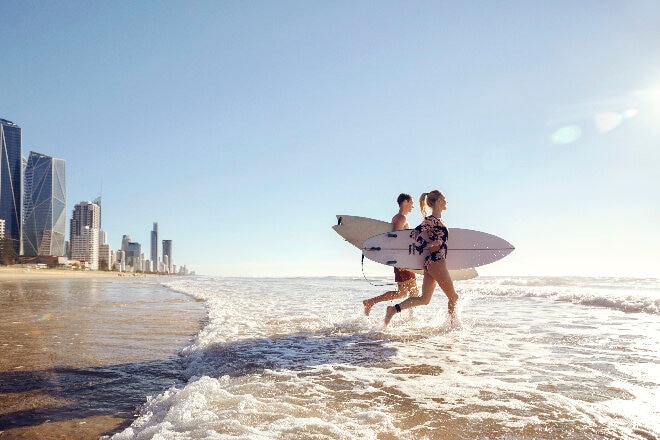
(630, 113)
(566, 135)
(608, 121)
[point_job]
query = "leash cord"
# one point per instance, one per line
(376, 285)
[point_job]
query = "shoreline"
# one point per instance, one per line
(18, 273)
(79, 351)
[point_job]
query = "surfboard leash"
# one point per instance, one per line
(375, 285)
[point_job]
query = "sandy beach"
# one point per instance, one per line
(79, 351)
(17, 273)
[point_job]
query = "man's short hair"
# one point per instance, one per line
(403, 197)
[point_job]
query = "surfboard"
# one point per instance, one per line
(356, 230)
(465, 248)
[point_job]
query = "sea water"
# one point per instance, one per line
(528, 358)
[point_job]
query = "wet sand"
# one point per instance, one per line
(79, 354)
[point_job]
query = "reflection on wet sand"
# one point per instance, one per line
(77, 356)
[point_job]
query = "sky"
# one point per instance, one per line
(244, 128)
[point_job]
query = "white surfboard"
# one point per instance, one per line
(465, 249)
(356, 230)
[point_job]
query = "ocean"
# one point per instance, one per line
(528, 358)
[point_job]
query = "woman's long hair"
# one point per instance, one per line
(428, 199)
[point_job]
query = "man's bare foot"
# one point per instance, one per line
(367, 306)
(391, 311)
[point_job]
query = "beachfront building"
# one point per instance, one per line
(2, 229)
(105, 253)
(120, 261)
(85, 248)
(44, 206)
(167, 256)
(84, 234)
(11, 181)
(154, 247)
(105, 257)
(133, 251)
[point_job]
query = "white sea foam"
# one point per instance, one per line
(530, 358)
(626, 295)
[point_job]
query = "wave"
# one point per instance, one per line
(629, 295)
(604, 282)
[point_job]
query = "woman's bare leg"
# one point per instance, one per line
(428, 286)
(438, 270)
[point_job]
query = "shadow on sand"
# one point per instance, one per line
(115, 390)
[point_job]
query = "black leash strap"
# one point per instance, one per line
(376, 285)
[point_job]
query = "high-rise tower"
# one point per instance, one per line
(84, 233)
(44, 206)
(11, 181)
(167, 256)
(154, 248)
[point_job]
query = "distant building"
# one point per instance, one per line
(120, 261)
(105, 257)
(103, 236)
(44, 206)
(105, 253)
(2, 229)
(154, 247)
(133, 251)
(85, 247)
(124, 242)
(167, 256)
(84, 234)
(11, 182)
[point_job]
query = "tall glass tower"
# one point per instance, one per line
(167, 255)
(11, 182)
(44, 206)
(154, 248)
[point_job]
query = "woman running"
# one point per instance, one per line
(431, 234)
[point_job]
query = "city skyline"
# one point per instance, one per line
(36, 222)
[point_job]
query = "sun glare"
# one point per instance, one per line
(606, 115)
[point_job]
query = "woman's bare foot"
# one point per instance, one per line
(368, 304)
(451, 306)
(391, 311)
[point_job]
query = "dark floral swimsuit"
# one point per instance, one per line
(435, 231)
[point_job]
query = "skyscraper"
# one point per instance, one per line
(167, 252)
(11, 182)
(84, 233)
(44, 206)
(154, 247)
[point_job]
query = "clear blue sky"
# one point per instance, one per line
(244, 127)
